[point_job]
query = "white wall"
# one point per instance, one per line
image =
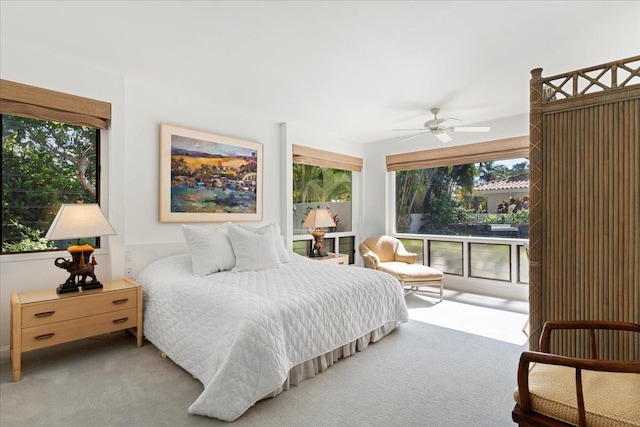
(146, 107)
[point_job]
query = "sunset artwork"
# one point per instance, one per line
(211, 180)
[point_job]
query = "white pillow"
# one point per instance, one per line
(273, 230)
(253, 251)
(211, 250)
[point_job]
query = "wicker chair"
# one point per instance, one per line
(556, 390)
(388, 254)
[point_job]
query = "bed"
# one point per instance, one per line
(249, 334)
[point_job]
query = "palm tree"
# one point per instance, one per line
(486, 171)
(441, 203)
(433, 192)
(520, 168)
(307, 182)
(336, 186)
(319, 184)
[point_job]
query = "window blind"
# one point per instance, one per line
(502, 149)
(18, 99)
(315, 157)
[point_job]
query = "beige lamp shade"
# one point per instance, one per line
(75, 221)
(318, 218)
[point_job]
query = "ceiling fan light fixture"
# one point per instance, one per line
(439, 128)
(444, 137)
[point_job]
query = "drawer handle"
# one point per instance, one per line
(121, 301)
(44, 314)
(124, 319)
(45, 336)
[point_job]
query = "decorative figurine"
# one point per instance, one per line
(79, 268)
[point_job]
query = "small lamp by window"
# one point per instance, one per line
(316, 219)
(75, 221)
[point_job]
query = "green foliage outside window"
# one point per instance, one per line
(444, 199)
(513, 204)
(517, 217)
(44, 164)
(431, 192)
(320, 184)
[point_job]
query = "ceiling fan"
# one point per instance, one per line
(439, 128)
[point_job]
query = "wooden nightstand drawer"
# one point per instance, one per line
(70, 330)
(76, 306)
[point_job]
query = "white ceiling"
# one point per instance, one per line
(354, 69)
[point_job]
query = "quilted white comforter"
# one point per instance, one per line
(239, 333)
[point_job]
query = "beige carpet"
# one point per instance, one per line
(494, 318)
(420, 375)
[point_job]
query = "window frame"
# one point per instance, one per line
(28, 101)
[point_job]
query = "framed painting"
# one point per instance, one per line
(205, 177)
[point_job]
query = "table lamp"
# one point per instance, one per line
(318, 218)
(75, 221)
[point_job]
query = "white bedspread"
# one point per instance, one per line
(239, 333)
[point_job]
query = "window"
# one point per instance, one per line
(466, 208)
(328, 188)
(325, 179)
(488, 198)
(50, 156)
(446, 256)
(44, 164)
(436, 189)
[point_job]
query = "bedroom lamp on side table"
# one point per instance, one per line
(316, 219)
(75, 221)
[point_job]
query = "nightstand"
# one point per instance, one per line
(43, 318)
(333, 258)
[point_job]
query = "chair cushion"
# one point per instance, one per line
(411, 272)
(610, 398)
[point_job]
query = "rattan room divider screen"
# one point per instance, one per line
(585, 202)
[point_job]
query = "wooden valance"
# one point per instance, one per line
(29, 101)
(315, 157)
(509, 148)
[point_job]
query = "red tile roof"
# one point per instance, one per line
(510, 183)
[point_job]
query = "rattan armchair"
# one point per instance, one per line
(555, 390)
(388, 254)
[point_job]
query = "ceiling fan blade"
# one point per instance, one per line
(471, 129)
(443, 137)
(448, 122)
(413, 136)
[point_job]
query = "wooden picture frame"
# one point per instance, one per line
(206, 177)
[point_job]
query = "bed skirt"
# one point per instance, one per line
(311, 367)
